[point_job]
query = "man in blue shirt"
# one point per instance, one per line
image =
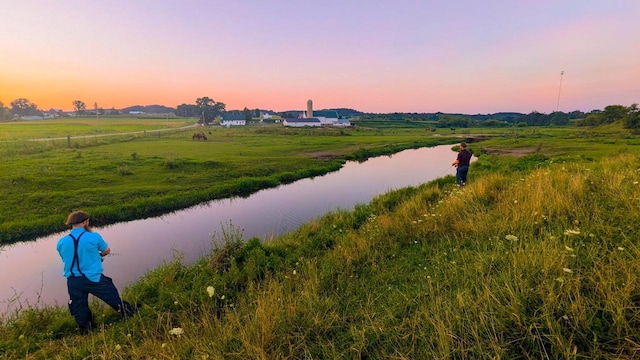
(81, 252)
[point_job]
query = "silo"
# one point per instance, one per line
(309, 108)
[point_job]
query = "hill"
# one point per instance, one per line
(149, 109)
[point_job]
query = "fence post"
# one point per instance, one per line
(68, 141)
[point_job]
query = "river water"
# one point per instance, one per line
(32, 271)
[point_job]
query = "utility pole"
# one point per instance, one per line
(559, 89)
(95, 108)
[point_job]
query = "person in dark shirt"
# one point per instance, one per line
(462, 162)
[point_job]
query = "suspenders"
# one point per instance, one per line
(76, 260)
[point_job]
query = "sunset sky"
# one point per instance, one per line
(458, 56)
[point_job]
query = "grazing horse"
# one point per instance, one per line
(199, 135)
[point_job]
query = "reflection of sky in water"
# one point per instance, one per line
(33, 269)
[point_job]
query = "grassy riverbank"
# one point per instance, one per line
(536, 258)
(129, 177)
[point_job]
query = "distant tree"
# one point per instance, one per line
(558, 118)
(613, 113)
(79, 107)
(632, 119)
(208, 109)
(5, 113)
(24, 107)
(495, 123)
(454, 121)
(186, 110)
(536, 118)
(247, 114)
(576, 114)
(592, 119)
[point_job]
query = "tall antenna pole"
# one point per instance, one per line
(559, 89)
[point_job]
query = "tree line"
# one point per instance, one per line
(629, 116)
(207, 110)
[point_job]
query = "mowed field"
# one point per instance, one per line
(58, 128)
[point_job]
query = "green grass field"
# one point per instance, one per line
(536, 258)
(54, 128)
(125, 177)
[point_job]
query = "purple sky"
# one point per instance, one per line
(373, 56)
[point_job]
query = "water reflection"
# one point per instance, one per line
(32, 270)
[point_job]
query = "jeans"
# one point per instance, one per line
(461, 174)
(79, 289)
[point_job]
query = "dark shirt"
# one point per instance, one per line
(464, 157)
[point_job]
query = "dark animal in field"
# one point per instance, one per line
(199, 135)
(433, 129)
(453, 129)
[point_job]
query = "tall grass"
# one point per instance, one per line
(539, 263)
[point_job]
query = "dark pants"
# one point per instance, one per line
(79, 289)
(461, 174)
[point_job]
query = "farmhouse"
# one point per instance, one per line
(301, 122)
(326, 117)
(231, 119)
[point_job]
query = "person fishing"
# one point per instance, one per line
(462, 163)
(81, 252)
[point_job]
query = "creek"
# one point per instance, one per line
(32, 271)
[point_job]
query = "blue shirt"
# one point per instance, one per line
(90, 246)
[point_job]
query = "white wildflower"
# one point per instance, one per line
(176, 331)
(211, 291)
(620, 248)
(511, 237)
(567, 270)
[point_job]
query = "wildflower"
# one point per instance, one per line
(295, 272)
(560, 279)
(568, 248)
(511, 237)
(176, 331)
(414, 222)
(175, 302)
(620, 248)
(164, 345)
(211, 291)
(222, 297)
(567, 270)
(118, 347)
(572, 232)
(515, 201)
(21, 337)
